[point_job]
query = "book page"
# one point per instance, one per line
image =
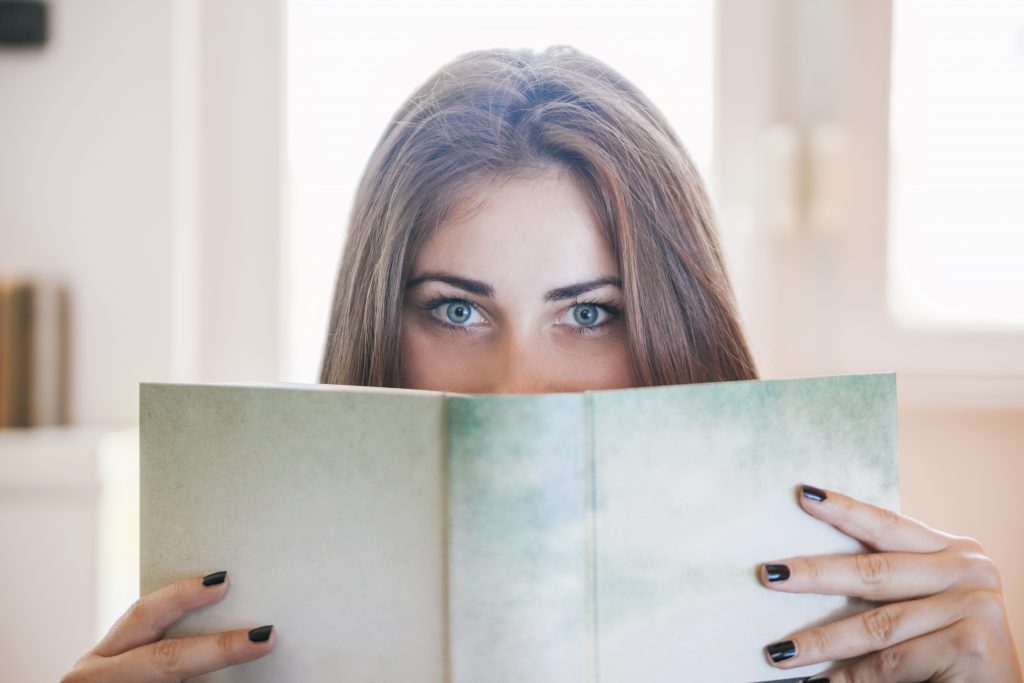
(327, 509)
(695, 487)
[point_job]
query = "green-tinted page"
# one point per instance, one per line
(695, 486)
(519, 491)
(325, 505)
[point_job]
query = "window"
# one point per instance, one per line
(956, 231)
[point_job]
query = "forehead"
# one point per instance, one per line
(533, 232)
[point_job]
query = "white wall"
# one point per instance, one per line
(85, 188)
(140, 162)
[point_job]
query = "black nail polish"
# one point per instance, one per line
(261, 634)
(214, 578)
(814, 493)
(817, 680)
(781, 651)
(776, 572)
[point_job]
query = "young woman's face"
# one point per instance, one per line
(523, 296)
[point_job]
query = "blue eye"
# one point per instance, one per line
(586, 314)
(458, 311)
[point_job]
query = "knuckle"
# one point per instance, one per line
(815, 642)
(971, 643)
(880, 625)
(987, 605)
(139, 617)
(873, 568)
(811, 569)
(887, 521)
(888, 662)
(864, 672)
(845, 505)
(970, 545)
(136, 612)
(225, 644)
(984, 572)
(180, 591)
(167, 654)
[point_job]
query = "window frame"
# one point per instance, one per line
(814, 297)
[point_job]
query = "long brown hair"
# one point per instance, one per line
(498, 113)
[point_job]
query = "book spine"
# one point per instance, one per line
(5, 354)
(21, 355)
(518, 579)
(33, 354)
(45, 341)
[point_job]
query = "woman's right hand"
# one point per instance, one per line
(135, 649)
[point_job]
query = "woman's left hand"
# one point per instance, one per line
(943, 617)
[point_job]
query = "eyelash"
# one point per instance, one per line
(608, 307)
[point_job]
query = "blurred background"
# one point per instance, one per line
(175, 179)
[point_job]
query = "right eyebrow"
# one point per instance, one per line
(472, 286)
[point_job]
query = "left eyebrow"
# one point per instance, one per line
(573, 291)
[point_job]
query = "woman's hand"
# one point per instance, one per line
(944, 617)
(134, 650)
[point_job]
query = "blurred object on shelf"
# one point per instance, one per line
(33, 353)
(23, 23)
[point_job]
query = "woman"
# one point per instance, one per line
(530, 223)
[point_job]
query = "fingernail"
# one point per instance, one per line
(814, 493)
(261, 634)
(776, 572)
(214, 578)
(817, 680)
(781, 651)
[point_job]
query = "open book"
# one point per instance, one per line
(401, 536)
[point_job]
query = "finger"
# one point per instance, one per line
(877, 527)
(872, 576)
(870, 631)
(147, 619)
(922, 659)
(174, 659)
